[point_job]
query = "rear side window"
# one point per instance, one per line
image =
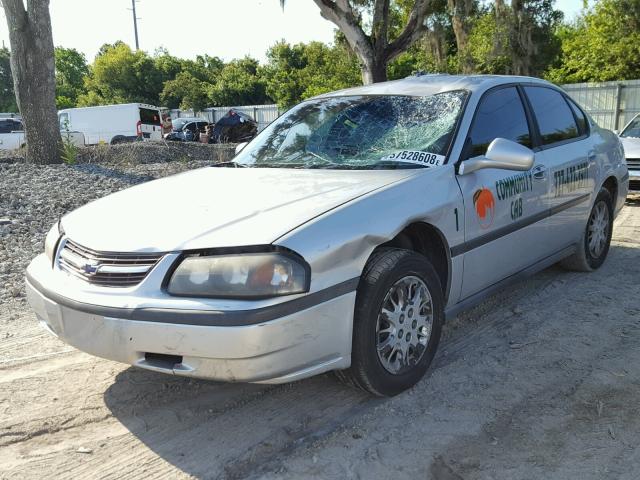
(555, 119)
(150, 117)
(580, 117)
(499, 115)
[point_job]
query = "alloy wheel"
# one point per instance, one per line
(404, 325)
(598, 229)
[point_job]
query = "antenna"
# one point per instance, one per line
(135, 22)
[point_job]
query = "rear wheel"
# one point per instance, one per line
(118, 139)
(397, 324)
(596, 238)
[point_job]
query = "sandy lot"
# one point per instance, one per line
(541, 381)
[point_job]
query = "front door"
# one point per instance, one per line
(502, 232)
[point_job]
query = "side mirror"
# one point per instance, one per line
(240, 146)
(502, 153)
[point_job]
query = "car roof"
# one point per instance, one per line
(429, 84)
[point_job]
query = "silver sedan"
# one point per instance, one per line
(341, 237)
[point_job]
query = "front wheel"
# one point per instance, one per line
(397, 324)
(596, 238)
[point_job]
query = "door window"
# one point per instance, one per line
(555, 119)
(499, 115)
(150, 117)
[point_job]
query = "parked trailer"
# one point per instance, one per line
(114, 123)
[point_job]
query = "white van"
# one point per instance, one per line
(113, 123)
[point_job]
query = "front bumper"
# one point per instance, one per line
(296, 345)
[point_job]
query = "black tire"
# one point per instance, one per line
(118, 140)
(383, 271)
(585, 259)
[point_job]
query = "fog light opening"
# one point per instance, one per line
(161, 360)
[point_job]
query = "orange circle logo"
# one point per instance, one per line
(485, 206)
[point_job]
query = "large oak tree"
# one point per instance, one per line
(33, 69)
(374, 48)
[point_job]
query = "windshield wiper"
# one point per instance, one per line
(230, 163)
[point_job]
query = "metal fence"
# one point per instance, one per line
(611, 104)
(263, 114)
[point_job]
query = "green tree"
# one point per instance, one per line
(533, 43)
(186, 92)
(294, 73)
(71, 70)
(602, 45)
(239, 83)
(7, 95)
(120, 75)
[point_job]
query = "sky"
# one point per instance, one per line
(224, 28)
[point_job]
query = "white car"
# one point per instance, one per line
(341, 237)
(630, 138)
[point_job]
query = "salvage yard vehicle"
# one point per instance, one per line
(341, 237)
(12, 135)
(630, 138)
(186, 129)
(114, 124)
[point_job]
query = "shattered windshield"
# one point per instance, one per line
(359, 132)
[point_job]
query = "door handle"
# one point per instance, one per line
(539, 172)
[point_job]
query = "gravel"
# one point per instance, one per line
(34, 197)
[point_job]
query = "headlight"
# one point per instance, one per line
(51, 241)
(248, 275)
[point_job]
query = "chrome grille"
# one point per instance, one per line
(107, 269)
(633, 162)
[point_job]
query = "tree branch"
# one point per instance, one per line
(380, 25)
(413, 30)
(16, 14)
(342, 15)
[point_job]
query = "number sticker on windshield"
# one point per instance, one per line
(412, 156)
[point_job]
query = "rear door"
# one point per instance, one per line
(150, 124)
(503, 233)
(568, 152)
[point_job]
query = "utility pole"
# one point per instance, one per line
(135, 23)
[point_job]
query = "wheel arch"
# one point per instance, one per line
(427, 240)
(611, 184)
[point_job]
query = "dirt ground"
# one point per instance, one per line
(541, 381)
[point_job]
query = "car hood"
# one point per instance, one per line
(217, 207)
(631, 147)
